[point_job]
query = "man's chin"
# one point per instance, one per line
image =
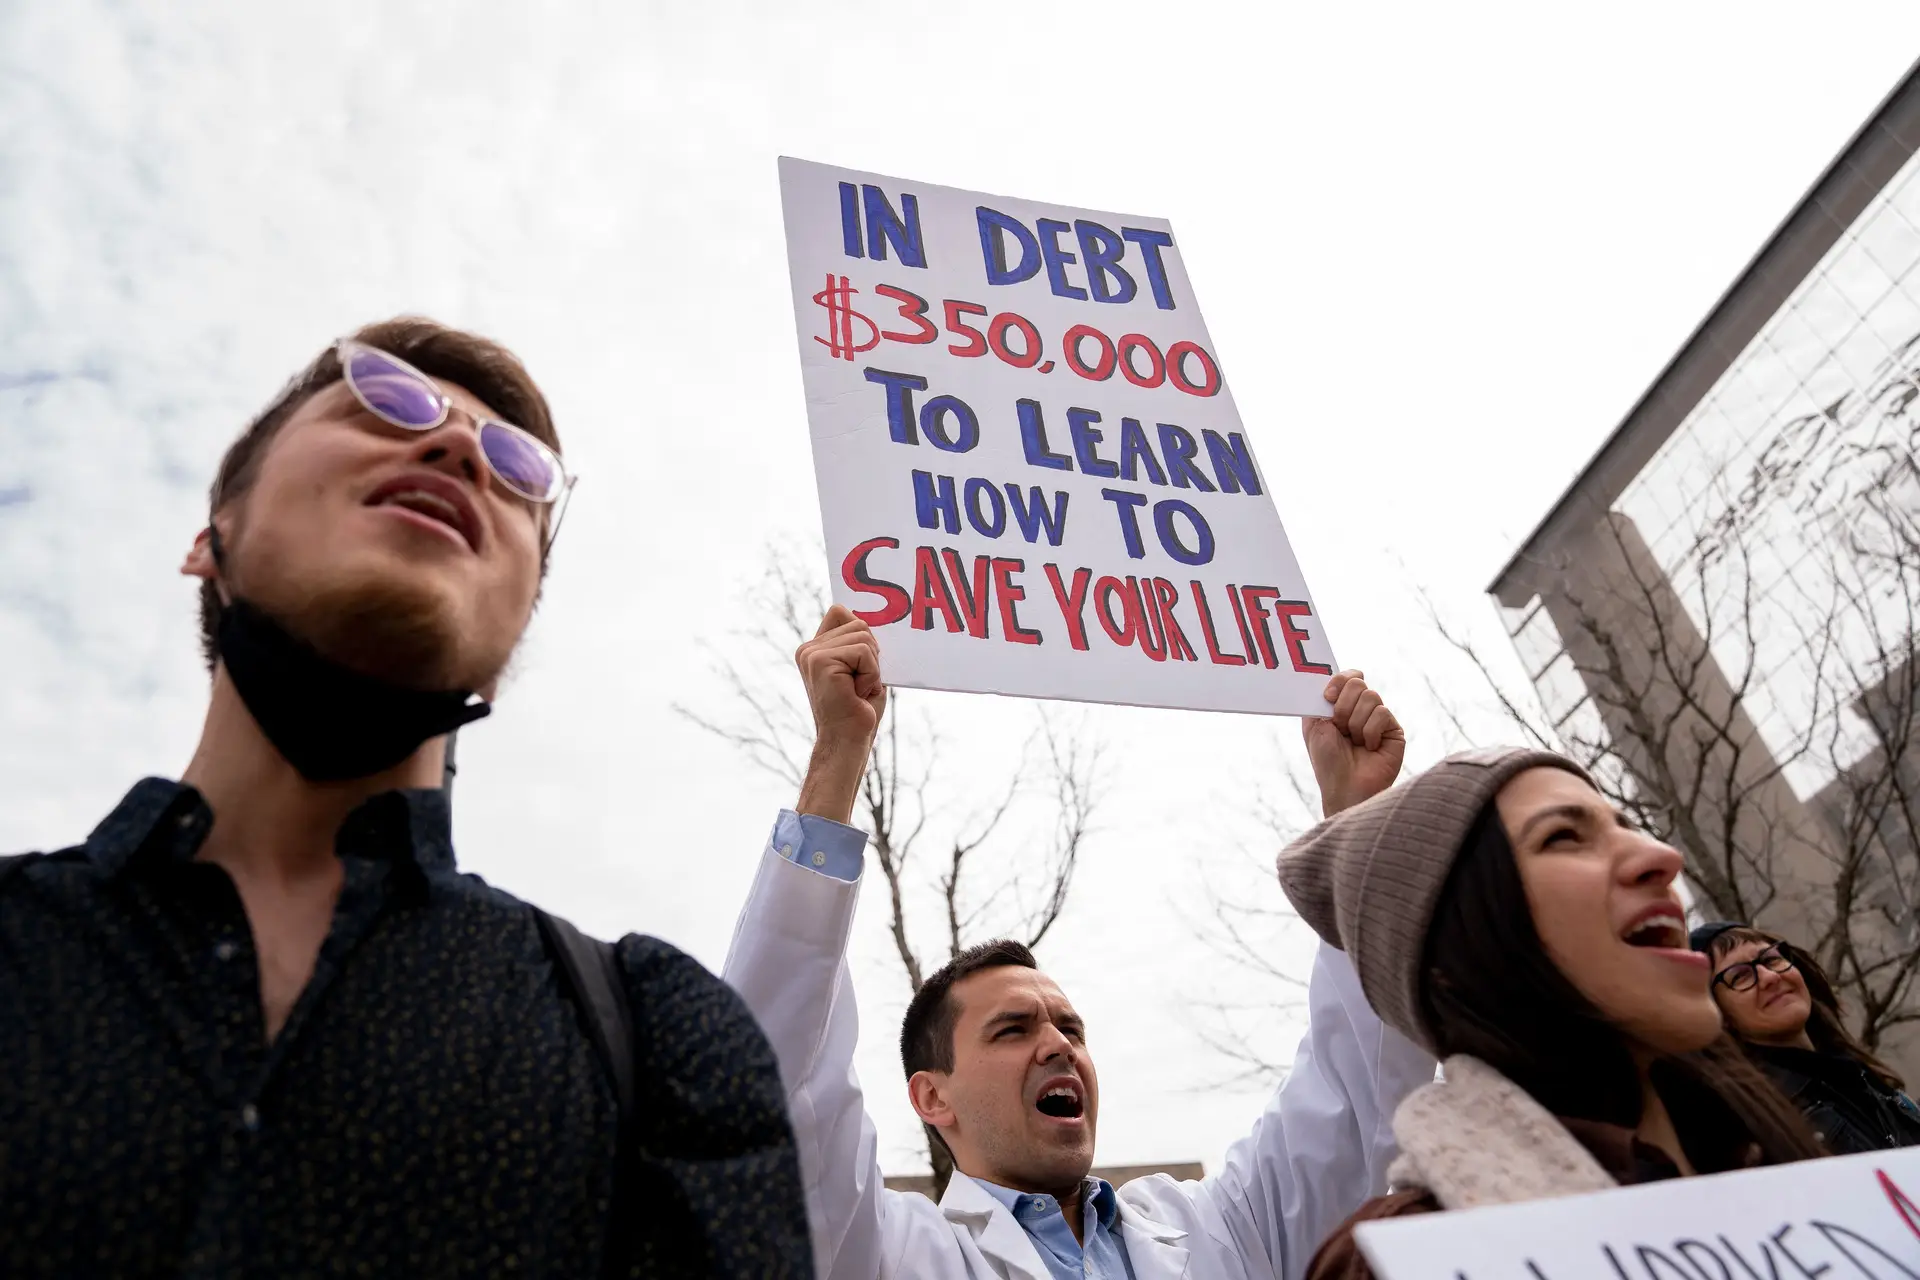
(404, 632)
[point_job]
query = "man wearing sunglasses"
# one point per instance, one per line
(258, 1023)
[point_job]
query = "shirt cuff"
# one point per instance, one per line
(819, 844)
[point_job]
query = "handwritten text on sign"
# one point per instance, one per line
(1032, 474)
(1848, 1218)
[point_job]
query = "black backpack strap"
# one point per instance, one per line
(589, 972)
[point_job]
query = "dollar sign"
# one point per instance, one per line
(841, 316)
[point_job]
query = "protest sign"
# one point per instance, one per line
(1846, 1218)
(1033, 479)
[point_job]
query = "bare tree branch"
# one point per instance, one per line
(982, 889)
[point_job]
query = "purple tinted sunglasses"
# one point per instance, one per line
(395, 392)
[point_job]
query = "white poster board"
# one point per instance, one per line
(1033, 479)
(1846, 1218)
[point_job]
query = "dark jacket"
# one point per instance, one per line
(1847, 1105)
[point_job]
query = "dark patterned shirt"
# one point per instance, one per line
(432, 1107)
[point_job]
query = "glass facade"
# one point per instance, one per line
(1783, 513)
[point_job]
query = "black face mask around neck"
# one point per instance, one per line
(331, 723)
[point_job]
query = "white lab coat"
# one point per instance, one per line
(1321, 1148)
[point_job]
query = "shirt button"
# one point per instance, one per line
(250, 1118)
(1087, 1266)
(224, 951)
(786, 851)
(819, 858)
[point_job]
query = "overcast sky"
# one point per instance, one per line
(1441, 249)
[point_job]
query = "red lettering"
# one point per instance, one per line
(930, 592)
(1285, 611)
(1169, 596)
(1009, 593)
(973, 602)
(1073, 603)
(1240, 616)
(1909, 1213)
(1103, 593)
(1206, 628)
(913, 308)
(1256, 598)
(1153, 638)
(977, 341)
(1097, 372)
(853, 572)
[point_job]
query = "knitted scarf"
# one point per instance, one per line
(1476, 1138)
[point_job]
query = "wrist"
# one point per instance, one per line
(832, 782)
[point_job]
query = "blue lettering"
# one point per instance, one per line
(994, 227)
(1086, 437)
(1100, 253)
(1033, 439)
(933, 422)
(933, 508)
(976, 488)
(1151, 243)
(1057, 259)
(1032, 514)
(1232, 462)
(1128, 505)
(1163, 514)
(1135, 449)
(1178, 446)
(885, 227)
(900, 388)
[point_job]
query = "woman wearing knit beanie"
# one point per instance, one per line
(1501, 913)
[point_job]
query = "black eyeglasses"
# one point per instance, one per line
(1742, 976)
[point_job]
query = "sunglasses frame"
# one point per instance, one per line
(558, 499)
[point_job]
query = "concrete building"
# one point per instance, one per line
(1720, 611)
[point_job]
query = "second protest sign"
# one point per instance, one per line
(1033, 478)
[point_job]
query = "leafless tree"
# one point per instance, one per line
(1750, 692)
(999, 868)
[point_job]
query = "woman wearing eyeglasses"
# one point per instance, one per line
(1782, 1008)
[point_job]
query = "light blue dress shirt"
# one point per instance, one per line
(1100, 1254)
(829, 847)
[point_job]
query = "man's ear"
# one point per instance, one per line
(199, 562)
(927, 1091)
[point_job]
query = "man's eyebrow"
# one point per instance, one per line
(1007, 1017)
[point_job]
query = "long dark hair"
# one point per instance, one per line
(1826, 1027)
(1489, 990)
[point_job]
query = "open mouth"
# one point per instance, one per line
(1061, 1101)
(1662, 929)
(433, 499)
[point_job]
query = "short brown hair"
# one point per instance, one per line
(926, 1033)
(482, 366)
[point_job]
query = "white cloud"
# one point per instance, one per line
(1441, 250)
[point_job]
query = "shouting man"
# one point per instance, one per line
(999, 1066)
(259, 1024)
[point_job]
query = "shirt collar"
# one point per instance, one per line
(1027, 1206)
(166, 820)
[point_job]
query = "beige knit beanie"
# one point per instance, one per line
(1368, 879)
